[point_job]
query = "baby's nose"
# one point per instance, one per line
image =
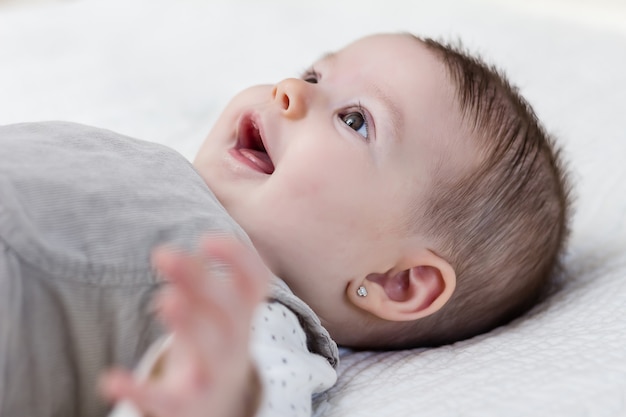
(290, 95)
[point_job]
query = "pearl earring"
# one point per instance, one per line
(361, 291)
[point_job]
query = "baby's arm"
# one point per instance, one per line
(207, 368)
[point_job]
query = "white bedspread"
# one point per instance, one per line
(161, 70)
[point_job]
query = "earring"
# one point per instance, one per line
(361, 291)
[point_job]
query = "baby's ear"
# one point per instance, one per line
(410, 294)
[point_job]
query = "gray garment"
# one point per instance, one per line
(80, 210)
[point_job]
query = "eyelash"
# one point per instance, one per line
(313, 74)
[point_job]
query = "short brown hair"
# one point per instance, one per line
(503, 225)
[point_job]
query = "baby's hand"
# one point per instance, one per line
(207, 370)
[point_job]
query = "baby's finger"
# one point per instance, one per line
(189, 275)
(208, 331)
(198, 326)
(202, 330)
(119, 385)
(249, 275)
(172, 308)
(198, 279)
(114, 384)
(174, 264)
(203, 310)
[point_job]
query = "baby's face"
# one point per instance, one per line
(323, 171)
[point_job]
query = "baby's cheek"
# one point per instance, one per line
(305, 178)
(303, 187)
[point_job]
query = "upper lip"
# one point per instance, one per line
(251, 135)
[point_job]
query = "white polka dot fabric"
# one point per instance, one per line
(290, 374)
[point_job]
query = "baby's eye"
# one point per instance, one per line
(356, 121)
(311, 76)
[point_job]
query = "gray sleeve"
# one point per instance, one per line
(80, 210)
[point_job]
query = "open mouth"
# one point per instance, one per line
(251, 147)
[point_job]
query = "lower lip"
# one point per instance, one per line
(235, 153)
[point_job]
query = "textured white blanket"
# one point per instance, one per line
(161, 70)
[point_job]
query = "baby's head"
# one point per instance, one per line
(401, 168)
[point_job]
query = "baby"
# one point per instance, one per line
(401, 188)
